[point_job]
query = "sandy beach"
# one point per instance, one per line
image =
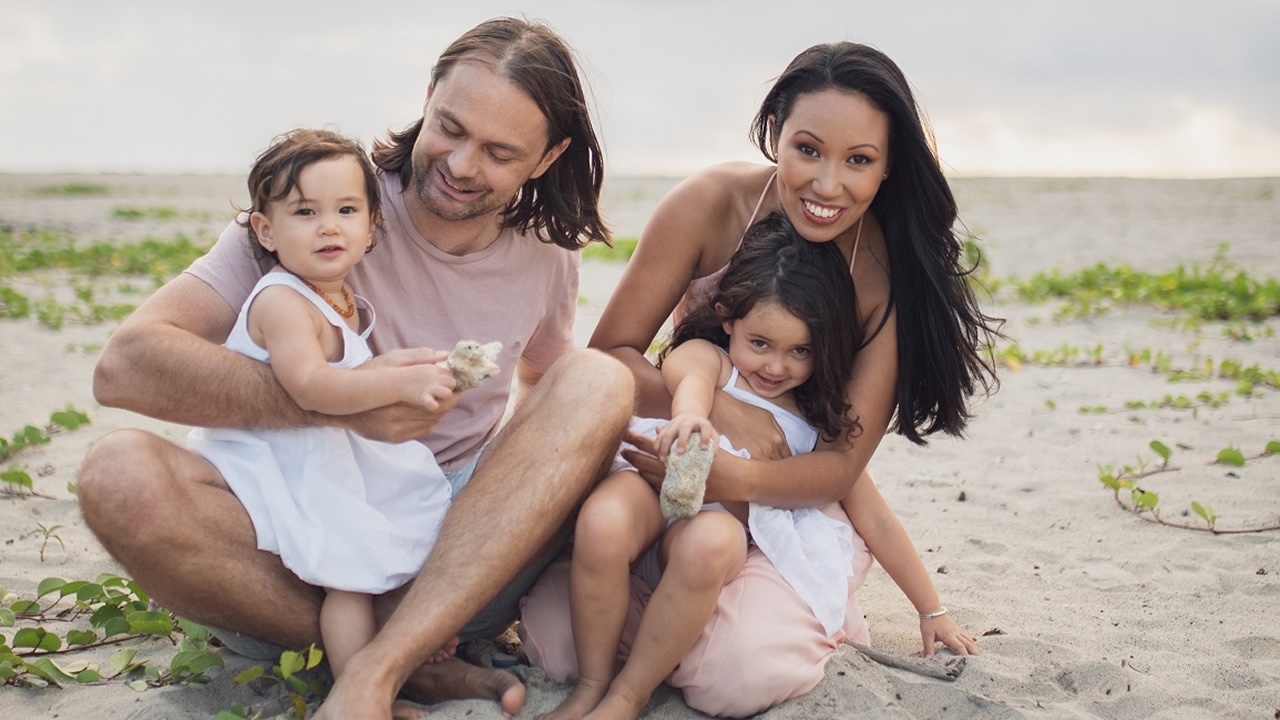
(1082, 609)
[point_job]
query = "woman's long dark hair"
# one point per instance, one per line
(942, 333)
(810, 281)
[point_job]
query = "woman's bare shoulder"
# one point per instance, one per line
(720, 187)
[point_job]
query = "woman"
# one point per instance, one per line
(854, 166)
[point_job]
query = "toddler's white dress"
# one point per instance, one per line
(340, 510)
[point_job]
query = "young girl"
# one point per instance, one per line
(352, 515)
(780, 333)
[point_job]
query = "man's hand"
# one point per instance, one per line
(400, 422)
(403, 421)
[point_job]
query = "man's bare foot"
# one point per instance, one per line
(584, 698)
(449, 650)
(352, 699)
(455, 680)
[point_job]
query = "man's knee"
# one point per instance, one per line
(103, 481)
(119, 480)
(596, 378)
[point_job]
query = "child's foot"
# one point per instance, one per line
(408, 711)
(449, 650)
(584, 698)
(615, 707)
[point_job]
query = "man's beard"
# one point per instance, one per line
(424, 185)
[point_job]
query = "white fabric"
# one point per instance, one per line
(811, 551)
(342, 511)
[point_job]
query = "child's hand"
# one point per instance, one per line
(426, 385)
(944, 629)
(678, 430)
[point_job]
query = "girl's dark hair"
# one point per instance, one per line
(810, 281)
(562, 205)
(275, 172)
(943, 335)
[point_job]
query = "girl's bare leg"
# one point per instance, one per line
(618, 522)
(703, 555)
(346, 625)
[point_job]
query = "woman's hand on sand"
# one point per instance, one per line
(945, 630)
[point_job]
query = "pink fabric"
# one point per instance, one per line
(519, 291)
(761, 647)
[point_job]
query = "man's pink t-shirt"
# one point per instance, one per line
(519, 291)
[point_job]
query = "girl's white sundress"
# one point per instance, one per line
(811, 551)
(340, 510)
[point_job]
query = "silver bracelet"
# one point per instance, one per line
(932, 615)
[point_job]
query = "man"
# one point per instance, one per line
(485, 200)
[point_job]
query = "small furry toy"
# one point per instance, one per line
(472, 363)
(686, 479)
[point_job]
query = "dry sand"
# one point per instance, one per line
(1083, 610)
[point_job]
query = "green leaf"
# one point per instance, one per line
(112, 579)
(6, 618)
(314, 656)
(1145, 500)
(139, 685)
(249, 675)
(123, 660)
(37, 638)
(22, 607)
(49, 585)
(1161, 449)
(43, 667)
(193, 630)
(290, 663)
(116, 626)
(194, 662)
(1231, 456)
(1273, 447)
(1109, 480)
(69, 418)
(14, 476)
(150, 623)
(1204, 511)
(81, 637)
(88, 675)
(100, 616)
(7, 671)
(89, 592)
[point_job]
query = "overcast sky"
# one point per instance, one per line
(1153, 88)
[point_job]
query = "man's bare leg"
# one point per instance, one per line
(167, 516)
(529, 481)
